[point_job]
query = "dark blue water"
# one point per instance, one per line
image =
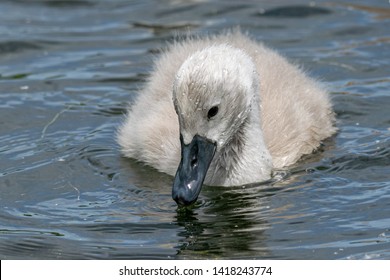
(68, 70)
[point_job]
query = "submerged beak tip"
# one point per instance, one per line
(180, 201)
(183, 196)
(196, 158)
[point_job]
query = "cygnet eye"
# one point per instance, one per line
(212, 112)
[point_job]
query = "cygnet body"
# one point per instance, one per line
(224, 110)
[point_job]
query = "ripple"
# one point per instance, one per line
(68, 4)
(18, 46)
(164, 27)
(294, 12)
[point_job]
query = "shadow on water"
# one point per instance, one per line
(222, 231)
(226, 222)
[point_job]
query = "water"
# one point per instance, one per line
(67, 71)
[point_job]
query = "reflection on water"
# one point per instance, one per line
(68, 70)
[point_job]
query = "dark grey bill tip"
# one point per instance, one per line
(195, 161)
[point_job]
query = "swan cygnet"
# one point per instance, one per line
(224, 110)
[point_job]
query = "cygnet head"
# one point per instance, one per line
(213, 94)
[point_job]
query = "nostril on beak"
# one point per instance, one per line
(194, 161)
(194, 157)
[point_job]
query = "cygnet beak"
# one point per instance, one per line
(195, 161)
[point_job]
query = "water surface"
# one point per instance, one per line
(67, 72)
